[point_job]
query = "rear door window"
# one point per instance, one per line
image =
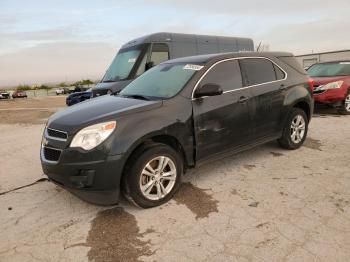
(226, 74)
(257, 71)
(293, 63)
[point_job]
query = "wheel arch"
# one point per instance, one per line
(305, 106)
(302, 103)
(155, 138)
(165, 139)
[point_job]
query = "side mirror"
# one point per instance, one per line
(208, 90)
(149, 65)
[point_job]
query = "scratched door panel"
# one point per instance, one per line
(221, 122)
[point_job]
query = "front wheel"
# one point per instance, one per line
(153, 175)
(345, 108)
(295, 130)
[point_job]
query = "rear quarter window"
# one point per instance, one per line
(293, 63)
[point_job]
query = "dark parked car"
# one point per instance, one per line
(332, 84)
(80, 89)
(174, 117)
(79, 94)
(19, 94)
(78, 97)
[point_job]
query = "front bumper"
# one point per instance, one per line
(331, 96)
(96, 182)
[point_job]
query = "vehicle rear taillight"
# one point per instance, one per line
(311, 83)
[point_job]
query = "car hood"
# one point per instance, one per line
(325, 80)
(98, 110)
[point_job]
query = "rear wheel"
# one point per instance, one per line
(153, 175)
(345, 108)
(295, 130)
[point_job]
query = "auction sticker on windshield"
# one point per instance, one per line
(193, 67)
(132, 60)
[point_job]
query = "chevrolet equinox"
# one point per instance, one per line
(174, 117)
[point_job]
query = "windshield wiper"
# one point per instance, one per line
(141, 97)
(108, 81)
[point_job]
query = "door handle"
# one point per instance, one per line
(283, 87)
(243, 99)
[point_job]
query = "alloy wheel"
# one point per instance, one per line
(347, 103)
(298, 129)
(158, 178)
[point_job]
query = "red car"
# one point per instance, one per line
(332, 84)
(19, 94)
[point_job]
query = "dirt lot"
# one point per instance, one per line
(31, 110)
(265, 204)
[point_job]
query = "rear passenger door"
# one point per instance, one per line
(265, 81)
(222, 121)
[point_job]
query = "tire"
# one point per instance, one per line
(134, 177)
(345, 107)
(294, 137)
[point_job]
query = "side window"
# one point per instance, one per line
(257, 71)
(279, 73)
(226, 74)
(160, 53)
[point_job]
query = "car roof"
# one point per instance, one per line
(332, 62)
(203, 59)
(164, 37)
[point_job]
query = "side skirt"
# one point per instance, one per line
(233, 151)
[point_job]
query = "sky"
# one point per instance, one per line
(60, 40)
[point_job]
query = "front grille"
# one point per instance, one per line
(51, 154)
(57, 133)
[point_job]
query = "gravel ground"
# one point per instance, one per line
(29, 110)
(266, 204)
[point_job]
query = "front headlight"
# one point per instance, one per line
(333, 85)
(91, 136)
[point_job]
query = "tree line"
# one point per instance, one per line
(84, 82)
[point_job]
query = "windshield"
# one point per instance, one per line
(162, 81)
(330, 69)
(123, 63)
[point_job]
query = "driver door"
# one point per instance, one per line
(224, 121)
